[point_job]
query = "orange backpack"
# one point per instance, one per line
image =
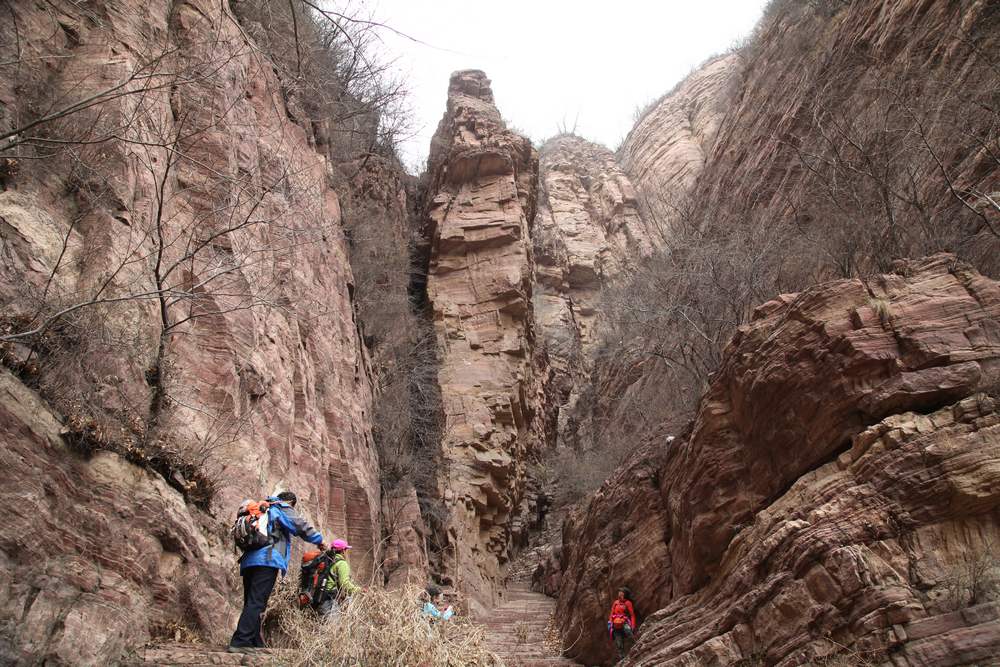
(317, 568)
(250, 530)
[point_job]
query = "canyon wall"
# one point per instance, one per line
(133, 431)
(588, 232)
(845, 115)
(668, 147)
(479, 209)
(837, 492)
(173, 234)
(804, 538)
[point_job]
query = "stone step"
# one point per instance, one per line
(199, 655)
(510, 653)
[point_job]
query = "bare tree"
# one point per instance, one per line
(199, 240)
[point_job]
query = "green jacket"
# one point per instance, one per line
(341, 577)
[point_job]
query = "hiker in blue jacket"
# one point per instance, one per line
(260, 568)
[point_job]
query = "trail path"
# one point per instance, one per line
(200, 655)
(517, 629)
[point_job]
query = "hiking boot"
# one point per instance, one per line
(246, 650)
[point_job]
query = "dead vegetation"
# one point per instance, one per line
(972, 579)
(379, 627)
(135, 274)
(885, 158)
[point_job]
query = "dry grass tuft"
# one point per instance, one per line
(381, 628)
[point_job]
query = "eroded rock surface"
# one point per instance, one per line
(843, 469)
(667, 149)
(479, 211)
(102, 551)
(405, 561)
(588, 231)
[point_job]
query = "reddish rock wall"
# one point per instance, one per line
(100, 551)
(669, 145)
(480, 205)
(841, 470)
(733, 150)
(587, 233)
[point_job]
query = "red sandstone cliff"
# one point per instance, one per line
(587, 235)
(842, 136)
(480, 206)
(265, 385)
(670, 144)
(836, 492)
(837, 483)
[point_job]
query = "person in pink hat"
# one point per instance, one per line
(339, 586)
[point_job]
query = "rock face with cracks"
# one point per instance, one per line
(269, 392)
(669, 145)
(838, 488)
(587, 233)
(480, 206)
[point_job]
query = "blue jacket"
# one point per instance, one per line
(282, 522)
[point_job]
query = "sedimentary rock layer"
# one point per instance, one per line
(840, 478)
(588, 231)
(480, 205)
(266, 386)
(669, 145)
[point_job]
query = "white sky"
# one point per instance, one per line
(555, 62)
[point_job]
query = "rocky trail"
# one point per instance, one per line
(200, 655)
(520, 629)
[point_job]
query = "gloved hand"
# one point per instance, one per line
(611, 632)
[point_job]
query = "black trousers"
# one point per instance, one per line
(258, 582)
(619, 637)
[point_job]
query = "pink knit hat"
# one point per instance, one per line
(340, 545)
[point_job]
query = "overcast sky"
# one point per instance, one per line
(556, 62)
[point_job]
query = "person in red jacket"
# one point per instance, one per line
(621, 622)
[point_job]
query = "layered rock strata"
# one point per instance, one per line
(817, 89)
(266, 385)
(668, 147)
(588, 231)
(480, 205)
(836, 492)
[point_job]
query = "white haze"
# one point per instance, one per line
(555, 64)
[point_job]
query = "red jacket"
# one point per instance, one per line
(622, 609)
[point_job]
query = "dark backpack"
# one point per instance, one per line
(251, 530)
(315, 579)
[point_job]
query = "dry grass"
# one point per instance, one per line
(521, 630)
(379, 628)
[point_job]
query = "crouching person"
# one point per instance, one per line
(433, 607)
(277, 522)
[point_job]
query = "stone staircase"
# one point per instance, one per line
(200, 655)
(518, 630)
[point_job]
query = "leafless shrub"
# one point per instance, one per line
(381, 627)
(973, 579)
(676, 312)
(522, 629)
(205, 241)
(333, 80)
(576, 474)
(847, 658)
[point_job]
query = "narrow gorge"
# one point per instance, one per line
(746, 364)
